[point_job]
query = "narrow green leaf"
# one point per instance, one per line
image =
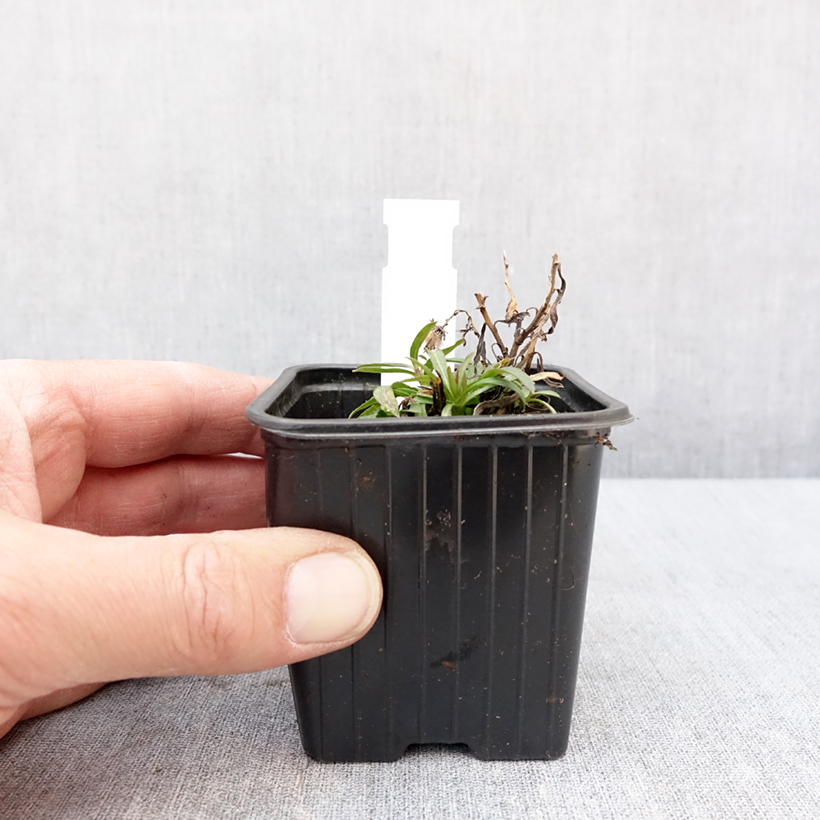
(445, 374)
(448, 350)
(383, 367)
(416, 408)
(362, 409)
(419, 340)
(462, 372)
(545, 405)
(520, 376)
(403, 389)
(424, 368)
(485, 383)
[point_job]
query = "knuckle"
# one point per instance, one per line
(212, 599)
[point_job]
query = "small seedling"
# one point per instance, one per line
(508, 377)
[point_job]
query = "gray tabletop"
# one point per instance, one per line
(698, 697)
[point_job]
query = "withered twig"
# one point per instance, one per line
(495, 404)
(481, 346)
(548, 312)
(512, 305)
(488, 322)
(439, 399)
(436, 336)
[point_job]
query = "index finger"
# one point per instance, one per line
(128, 412)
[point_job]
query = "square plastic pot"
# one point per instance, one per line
(482, 530)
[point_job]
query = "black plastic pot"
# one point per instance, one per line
(481, 528)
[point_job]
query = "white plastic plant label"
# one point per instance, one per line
(419, 283)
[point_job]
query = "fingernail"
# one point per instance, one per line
(329, 596)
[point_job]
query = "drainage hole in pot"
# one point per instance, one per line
(439, 749)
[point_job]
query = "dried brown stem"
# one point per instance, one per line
(488, 322)
(512, 305)
(548, 312)
(439, 399)
(504, 403)
(540, 314)
(481, 346)
(435, 338)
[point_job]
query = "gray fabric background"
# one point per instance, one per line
(204, 181)
(698, 698)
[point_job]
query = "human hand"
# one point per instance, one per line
(99, 463)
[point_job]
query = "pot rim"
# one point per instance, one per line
(295, 381)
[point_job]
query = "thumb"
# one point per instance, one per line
(83, 608)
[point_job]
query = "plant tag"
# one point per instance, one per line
(419, 283)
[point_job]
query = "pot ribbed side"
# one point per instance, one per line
(484, 547)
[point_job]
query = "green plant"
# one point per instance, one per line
(506, 380)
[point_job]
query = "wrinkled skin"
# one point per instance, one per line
(99, 463)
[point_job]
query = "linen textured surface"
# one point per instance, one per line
(698, 697)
